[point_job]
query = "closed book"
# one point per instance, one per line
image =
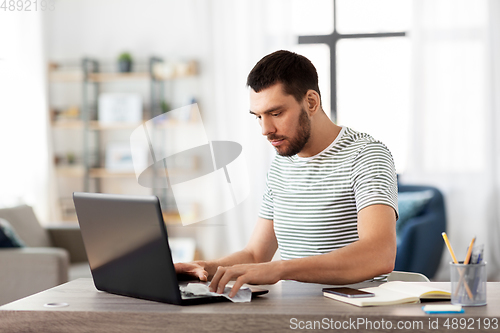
(395, 292)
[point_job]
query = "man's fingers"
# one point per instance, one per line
(223, 276)
(215, 279)
(191, 269)
(181, 267)
(236, 286)
(203, 275)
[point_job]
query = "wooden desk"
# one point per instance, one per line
(288, 305)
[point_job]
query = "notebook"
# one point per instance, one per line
(126, 242)
(396, 292)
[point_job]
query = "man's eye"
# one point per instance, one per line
(275, 114)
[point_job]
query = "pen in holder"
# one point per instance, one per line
(468, 284)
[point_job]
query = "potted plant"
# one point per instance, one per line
(165, 107)
(125, 62)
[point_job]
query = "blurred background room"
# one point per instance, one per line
(422, 76)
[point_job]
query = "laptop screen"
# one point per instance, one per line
(127, 247)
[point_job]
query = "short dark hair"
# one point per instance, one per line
(294, 71)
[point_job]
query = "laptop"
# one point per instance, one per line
(127, 248)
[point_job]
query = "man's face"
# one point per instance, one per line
(283, 120)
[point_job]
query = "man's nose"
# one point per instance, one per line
(267, 126)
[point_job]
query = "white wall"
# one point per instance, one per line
(105, 28)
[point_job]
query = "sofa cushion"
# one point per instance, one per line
(23, 220)
(79, 270)
(410, 204)
(30, 270)
(8, 237)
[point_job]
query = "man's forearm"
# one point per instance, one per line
(260, 248)
(372, 255)
(356, 262)
(241, 257)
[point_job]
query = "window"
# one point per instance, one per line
(369, 67)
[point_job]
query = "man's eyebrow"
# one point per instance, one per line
(273, 109)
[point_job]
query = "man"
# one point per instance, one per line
(331, 198)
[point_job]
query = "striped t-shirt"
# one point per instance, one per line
(314, 201)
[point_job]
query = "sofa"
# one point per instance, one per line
(420, 244)
(51, 256)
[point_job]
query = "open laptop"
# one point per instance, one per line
(127, 247)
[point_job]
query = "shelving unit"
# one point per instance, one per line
(84, 169)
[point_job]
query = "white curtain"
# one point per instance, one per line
(456, 114)
(24, 150)
(241, 34)
(494, 125)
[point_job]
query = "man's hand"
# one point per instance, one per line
(262, 273)
(195, 268)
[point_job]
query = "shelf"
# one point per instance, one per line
(70, 170)
(108, 77)
(162, 71)
(66, 76)
(78, 76)
(96, 125)
(105, 173)
(171, 218)
(69, 217)
(69, 124)
(79, 171)
(80, 122)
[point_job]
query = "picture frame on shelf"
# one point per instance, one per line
(119, 108)
(119, 157)
(183, 249)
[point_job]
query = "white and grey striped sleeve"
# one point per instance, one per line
(373, 177)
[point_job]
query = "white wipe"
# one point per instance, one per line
(243, 295)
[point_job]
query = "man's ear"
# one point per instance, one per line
(313, 101)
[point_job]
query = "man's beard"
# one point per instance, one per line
(297, 143)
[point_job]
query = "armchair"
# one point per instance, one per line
(420, 244)
(51, 256)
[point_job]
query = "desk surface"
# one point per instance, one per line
(288, 305)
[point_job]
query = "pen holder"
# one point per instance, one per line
(468, 284)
